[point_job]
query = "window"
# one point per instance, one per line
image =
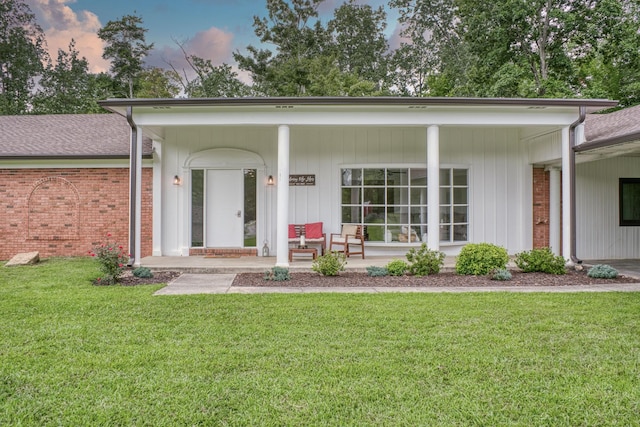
(629, 201)
(391, 203)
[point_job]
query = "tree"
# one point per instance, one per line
(359, 41)
(22, 52)
(157, 83)
(65, 88)
(126, 48)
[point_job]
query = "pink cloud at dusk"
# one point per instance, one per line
(61, 24)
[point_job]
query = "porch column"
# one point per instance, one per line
(135, 189)
(566, 194)
(433, 187)
(282, 209)
(555, 202)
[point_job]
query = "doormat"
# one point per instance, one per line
(223, 256)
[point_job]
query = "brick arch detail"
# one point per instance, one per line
(53, 210)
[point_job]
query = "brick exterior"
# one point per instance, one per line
(65, 212)
(540, 208)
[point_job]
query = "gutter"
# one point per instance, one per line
(572, 185)
(133, 167)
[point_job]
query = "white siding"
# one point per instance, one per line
(598, 232)
(499, 174)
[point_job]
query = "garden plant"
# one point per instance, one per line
(481, 258)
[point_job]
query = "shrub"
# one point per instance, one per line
(113, 260)
(397, 267)
(424, 261)
(143, 272)
(481, 258)
(540, 260)
(277, 274)
(602, 271)
(375, 271)
(501, 274)
(329, 264)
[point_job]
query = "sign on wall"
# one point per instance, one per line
(302, 180)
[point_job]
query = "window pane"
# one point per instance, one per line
(629, 201)
(351, 177)
(397, 215)
(445, 214)
(460, 214)
(459, 177)
(197, 208)
(397, 196)
(445, 178)
(351, 214)
(418, 177)
(445, 233)
(460, 196)
(374, 177)
(397, 177)
(250, 181)
(445, 196)
(374, 195)
(460, 233)
(373, 214)
(418, 196)
(351, 196)
(419, 215)
(374, 233)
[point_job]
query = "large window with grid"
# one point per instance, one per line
(391, 203)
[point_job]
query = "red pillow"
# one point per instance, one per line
(313, 230)
(292, 231)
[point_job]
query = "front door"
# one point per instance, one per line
(224, 208)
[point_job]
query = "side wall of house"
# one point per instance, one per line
(500, 176)
(67, 211)
(599, 234)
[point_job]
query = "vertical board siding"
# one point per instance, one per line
(499, 197)
(599, 234)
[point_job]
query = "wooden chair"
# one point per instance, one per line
(351, 235)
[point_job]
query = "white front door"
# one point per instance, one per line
(224, 208)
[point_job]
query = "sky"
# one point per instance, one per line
(211, 29)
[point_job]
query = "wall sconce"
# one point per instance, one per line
(270, 180)
(177, 180)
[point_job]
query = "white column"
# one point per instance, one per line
(554, 210)
(566, 194)
(282, 209)
(138, 200)
(157, 198)
(433, 187)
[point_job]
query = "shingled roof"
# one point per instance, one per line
(68, 136)
(619, 126)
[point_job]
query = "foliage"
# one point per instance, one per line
(540, 260)
(329, 264)
(156, 82)
(397, 267)
(399, 359)
(277, 274)
(424, 261)
(602, 271)
(375, 271)
(214, 81)
(142, 272)
(22, 52)
(112, 259)
(501, 274)
(481, 258)
(126, 48)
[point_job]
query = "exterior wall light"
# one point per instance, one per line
(270, 180)
(177, 180)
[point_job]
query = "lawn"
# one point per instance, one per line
(75, 354)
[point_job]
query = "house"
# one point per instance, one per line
(231, 174)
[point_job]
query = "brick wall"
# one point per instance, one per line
(65, 212)
(540, 208)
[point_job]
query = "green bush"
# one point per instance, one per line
(481, 258)
(602, 271)
(143, 272)
(397, 267)
(501, 274)
(329, 264)
(424, 261)
(112, 259)
(540, 260)
(277, 274)
(375, 271)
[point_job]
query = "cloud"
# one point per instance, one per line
(61, 24)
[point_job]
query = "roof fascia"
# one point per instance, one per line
(608, 142)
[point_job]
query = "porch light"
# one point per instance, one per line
(177, 180)
(270, 180)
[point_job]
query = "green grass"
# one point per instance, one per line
(75, 354)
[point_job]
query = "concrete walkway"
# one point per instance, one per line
(190, 283)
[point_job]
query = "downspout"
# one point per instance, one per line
(133, 167)
(572, 185)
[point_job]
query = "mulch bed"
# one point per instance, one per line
(353, 279)
(128, 279)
